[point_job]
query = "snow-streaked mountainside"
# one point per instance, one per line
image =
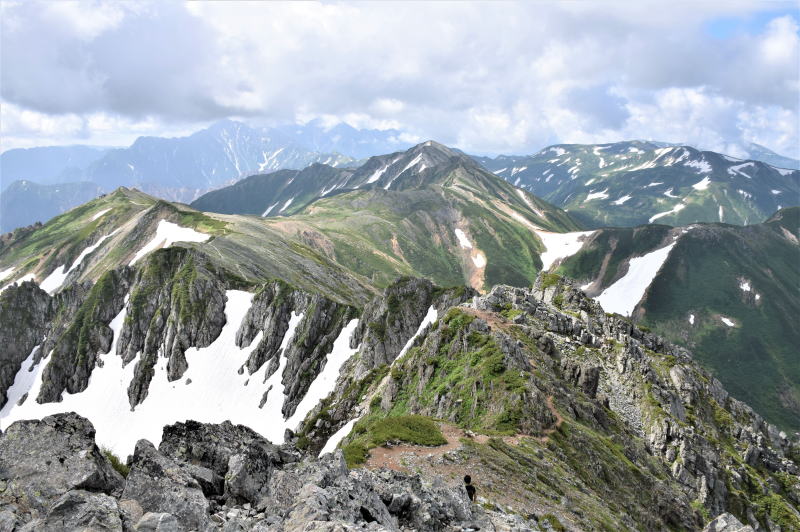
(728, 293)
(407, 213)
(318, 317)
(632, 183)
(177, 169)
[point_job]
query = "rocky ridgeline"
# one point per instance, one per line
(616, 416)
(212, 477)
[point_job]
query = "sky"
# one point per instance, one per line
(499, 77)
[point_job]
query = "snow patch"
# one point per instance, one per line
(91, 248)
(479, 259)
(622, 200)
(727, 321)
(737, 169)
(167, 233)
(54, 281)
(286, 205)
(463, 241)
(528, 202)
(702, 184)
(99, 214)
(744, 285)
(269, 209)
(677, 208)
(429, 318)
(623, 296)
(560, 245)
(775, 192)
(669, 193)
(338, 436)
(6, 273)
(701, 166)
(217, 391)
(326, 380)
(691, 319)
(596, 195)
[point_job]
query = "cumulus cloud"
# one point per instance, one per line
(495, 78)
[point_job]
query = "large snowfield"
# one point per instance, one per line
(211, 390)
(623, 296)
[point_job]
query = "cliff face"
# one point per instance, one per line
(557, 407)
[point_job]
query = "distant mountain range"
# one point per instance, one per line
(580, 180)
(177, 169)
(635, 182)
(418, 298)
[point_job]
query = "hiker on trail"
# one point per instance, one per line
(469, 487)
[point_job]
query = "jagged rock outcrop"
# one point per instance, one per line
(80, 333)
(159, 494)
(388, 321)
(160, 485)
(177, 301)
(41, 461)
(232, 452)
(386, 325)
(25, 312)
(323, 321)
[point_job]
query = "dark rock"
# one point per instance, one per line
(25, 313)
(158, 522)
(82, 510)
(160, 485)
(42, 460)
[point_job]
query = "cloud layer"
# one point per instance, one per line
(495, 77)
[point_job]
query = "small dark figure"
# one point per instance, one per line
(469, 487)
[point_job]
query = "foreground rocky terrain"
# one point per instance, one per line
(224, 477)
(210, 477)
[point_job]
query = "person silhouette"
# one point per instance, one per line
(469, 487)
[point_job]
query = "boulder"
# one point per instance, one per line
(245, 459)
(157, 522)
(82, 510)
(41, 460)
(727, 523)
(160, 485)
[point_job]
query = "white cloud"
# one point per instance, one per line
(485, 77)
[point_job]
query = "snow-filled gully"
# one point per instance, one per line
(211, 390)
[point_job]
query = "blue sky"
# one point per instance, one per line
(506, 77)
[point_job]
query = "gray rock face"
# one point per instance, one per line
(232, 452)
(177, 302)
(385, 326)
(85, 333)
(160, 485)
(727, 523)
(323, 320)
(161, 496)
(158, 522)
(82, 510)
(42, 460)
(25, 313)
